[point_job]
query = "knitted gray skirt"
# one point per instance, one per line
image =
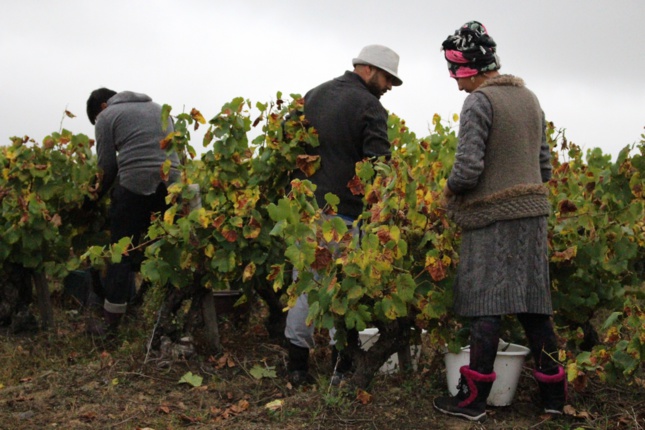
(504, 269)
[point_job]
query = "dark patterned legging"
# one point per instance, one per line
(484, 338)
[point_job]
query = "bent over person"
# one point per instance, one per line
(496, 194)
(128, 131)
(352, 126)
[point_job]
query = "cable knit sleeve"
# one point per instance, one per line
(474, 127)
(545, 154)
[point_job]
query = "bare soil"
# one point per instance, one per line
(66, 379)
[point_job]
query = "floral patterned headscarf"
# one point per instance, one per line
(470, 51)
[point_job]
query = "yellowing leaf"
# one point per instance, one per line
(249, 271)
(253, 229)
(169, 215)
(566, 255)
(274, 405)
(197, 116)
(191, 379)
(572, 372)
(204, 218)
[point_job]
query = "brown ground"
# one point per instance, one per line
(64, 379)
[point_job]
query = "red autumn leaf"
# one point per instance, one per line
(322, 258)
(163, 143)
(356, 186)
(372, 197)
(437, 271)
(562, 169)
(217, 222)
(229, 234)
(307, 163)
(384, 236)
(49, 143)
(567, 206)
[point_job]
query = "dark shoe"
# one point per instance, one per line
(299, 377)
(298, 365)
(23, 321)
(553, 390)
(470, 401)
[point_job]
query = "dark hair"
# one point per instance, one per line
(97, 98)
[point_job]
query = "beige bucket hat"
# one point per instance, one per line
(382, 57)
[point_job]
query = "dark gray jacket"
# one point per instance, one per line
(351, 125)
(128, 133)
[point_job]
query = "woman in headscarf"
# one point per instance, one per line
(496, 194)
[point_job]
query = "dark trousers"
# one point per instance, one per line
(484, 339)
(129, 217)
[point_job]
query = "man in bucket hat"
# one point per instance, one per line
(352, 126)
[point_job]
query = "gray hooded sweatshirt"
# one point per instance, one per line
(128, 135)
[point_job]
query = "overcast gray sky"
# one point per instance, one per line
(585, 59)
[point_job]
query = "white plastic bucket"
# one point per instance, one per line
(369, 336)
(508, 367)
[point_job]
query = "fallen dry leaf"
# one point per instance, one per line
(201, 388)
(364, 397)
(88, 416)
(188, 419)
(571, 411)
(240, 407)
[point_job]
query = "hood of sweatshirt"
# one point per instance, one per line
(128, 97)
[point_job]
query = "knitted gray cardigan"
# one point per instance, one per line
(502, 158)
